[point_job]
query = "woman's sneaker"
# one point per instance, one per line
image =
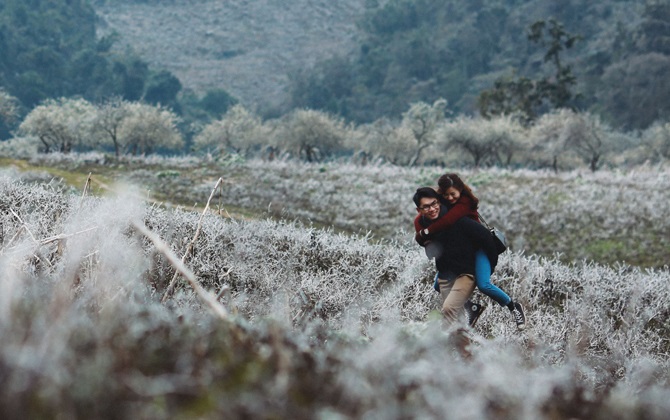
(518, 315)
(472, 312)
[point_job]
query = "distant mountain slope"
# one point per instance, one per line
(246, 47)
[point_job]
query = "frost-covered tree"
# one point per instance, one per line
(561, 136)
(110, 115)
(422, 121)
(586, 135)
(487, 142)
(238, 130)
(312, 135)
(147, 128)
(61, 124)
(8, 106)
(383, 140)
(546, 138)
(657, 140)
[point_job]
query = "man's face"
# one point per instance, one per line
(429, 207)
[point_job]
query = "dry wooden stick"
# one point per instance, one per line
(164, 249)
(86, 187)
(191, 244)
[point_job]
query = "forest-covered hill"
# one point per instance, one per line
(389, 53)
(248, 48)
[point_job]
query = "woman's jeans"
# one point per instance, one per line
(483, 279)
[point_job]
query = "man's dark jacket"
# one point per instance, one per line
(454, 248)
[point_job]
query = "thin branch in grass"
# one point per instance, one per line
(164, 249)
(24, 225)
(191, 244)
(63, 236)
(11, 241)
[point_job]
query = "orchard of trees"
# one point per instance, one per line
(426, 134)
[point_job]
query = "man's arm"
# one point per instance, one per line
(417, 228)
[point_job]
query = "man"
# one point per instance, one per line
(454, 251)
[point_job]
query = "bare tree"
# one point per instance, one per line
(585, 134)
(422, 121)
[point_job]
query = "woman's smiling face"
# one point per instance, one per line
(452, 195)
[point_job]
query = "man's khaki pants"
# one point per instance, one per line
(454, 294)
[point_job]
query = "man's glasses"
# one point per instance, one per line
(432, 205)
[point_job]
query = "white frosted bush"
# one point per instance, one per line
(20, 147)
(318, 322)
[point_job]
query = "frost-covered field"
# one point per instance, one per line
(609, 216)
(301, 322)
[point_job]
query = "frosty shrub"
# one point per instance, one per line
(61, 124)
(317, 324)
(238, 131)
(345, 196)
(20, 147)
(147, 128)
(310, 135)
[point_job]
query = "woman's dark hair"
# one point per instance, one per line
(453, 180)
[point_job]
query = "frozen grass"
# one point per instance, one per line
(319, 324)
(609, 216)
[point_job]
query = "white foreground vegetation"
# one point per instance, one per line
(299, 323)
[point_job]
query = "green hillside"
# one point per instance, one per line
(367, 59)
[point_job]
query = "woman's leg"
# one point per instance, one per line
(483, 278)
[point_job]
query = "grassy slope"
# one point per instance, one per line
(245, 47)
(596, 217)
